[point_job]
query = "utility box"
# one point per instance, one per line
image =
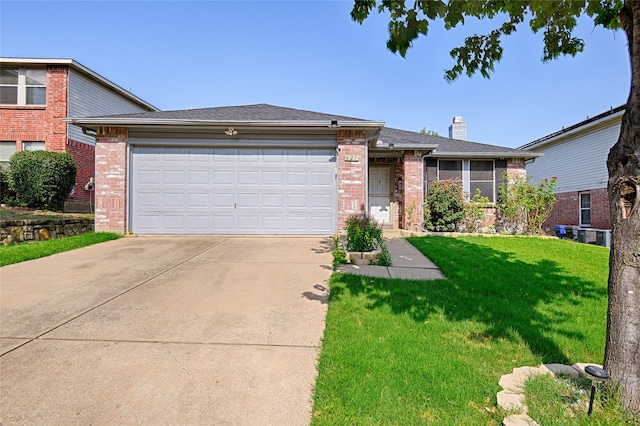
(603, 237)
(572, 232)
(587, 236)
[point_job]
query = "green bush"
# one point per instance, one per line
(41, 179)
(363, 233)
(522, 206)
(474, 212)
(444, 206)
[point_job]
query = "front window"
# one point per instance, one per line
(585, 209)
(33, 146)
(7, 149)
(22, 86)
(449, 169)
(481, 177)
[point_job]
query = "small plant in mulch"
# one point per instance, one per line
(363, 233)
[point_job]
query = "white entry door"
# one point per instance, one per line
(380, 194)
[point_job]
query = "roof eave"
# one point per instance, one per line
(497, 154)
(84, 70)
(371, 127)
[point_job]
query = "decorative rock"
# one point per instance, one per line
(519, 420)
(555, 369)
(510, 401)
(43, 234)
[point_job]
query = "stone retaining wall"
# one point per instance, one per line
(21, 231)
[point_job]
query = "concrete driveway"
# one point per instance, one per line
(165, 330)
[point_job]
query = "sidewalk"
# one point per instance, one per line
(407, 262)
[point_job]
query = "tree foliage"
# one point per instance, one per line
(480, 53)
(557, 21)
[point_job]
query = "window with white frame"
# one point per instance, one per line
(585, 209)
(474, 174)
(481, 177)
(33, 146)
(7, 149)
(23, 86)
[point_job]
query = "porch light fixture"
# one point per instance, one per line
(231, 131)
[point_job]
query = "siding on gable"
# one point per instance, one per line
(578, 160)
(88, 98)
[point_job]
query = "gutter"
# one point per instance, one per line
(549, 138)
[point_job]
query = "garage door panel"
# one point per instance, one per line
(188, 190)
(250, 200)
(251, 178)
(221, 200)
(198, 177)
(222, 177)
(297, 178)
(196, 200)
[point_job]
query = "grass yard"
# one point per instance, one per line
(28, 251)
(432, 352)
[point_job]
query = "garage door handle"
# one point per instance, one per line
(235, 206)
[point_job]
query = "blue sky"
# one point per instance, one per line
(310, 55)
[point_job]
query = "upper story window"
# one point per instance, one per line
(23, 86)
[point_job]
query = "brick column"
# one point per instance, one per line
(352, 174)
(412, 203)
(57, 94)
(516, 168)
(111, 179)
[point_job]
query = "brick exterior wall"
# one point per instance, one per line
(111, 179)
(39, 122)
(516, 168)
(352, 174)
(567, 210)
(44, 123)
(413, 191)
(84, 157)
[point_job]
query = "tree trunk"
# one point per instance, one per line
(622, 352)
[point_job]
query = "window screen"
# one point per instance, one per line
(448, 169)
(481, 177)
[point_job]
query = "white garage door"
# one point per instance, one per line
(233, 190)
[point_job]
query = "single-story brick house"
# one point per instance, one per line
(263, 169)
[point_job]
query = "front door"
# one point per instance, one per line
(380, 194)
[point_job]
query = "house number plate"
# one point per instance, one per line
(351, 158)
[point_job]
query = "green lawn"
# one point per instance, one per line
(416, 352)
(28, 251)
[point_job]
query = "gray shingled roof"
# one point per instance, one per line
(257, 112)
(271, 114)
(447, 146)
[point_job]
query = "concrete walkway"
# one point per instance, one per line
(406, 260)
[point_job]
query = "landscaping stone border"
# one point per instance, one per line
(22, 231)
(511, 397)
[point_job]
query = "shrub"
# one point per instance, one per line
(339, 252)
(474, 212)
(363, 233)
(41, 179)
(444, 205)
(523, 206)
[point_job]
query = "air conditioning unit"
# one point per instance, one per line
(603, 237)
(572, 232)
(587, 236)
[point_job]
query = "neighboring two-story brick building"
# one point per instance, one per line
(37, 94)
(577, 155)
